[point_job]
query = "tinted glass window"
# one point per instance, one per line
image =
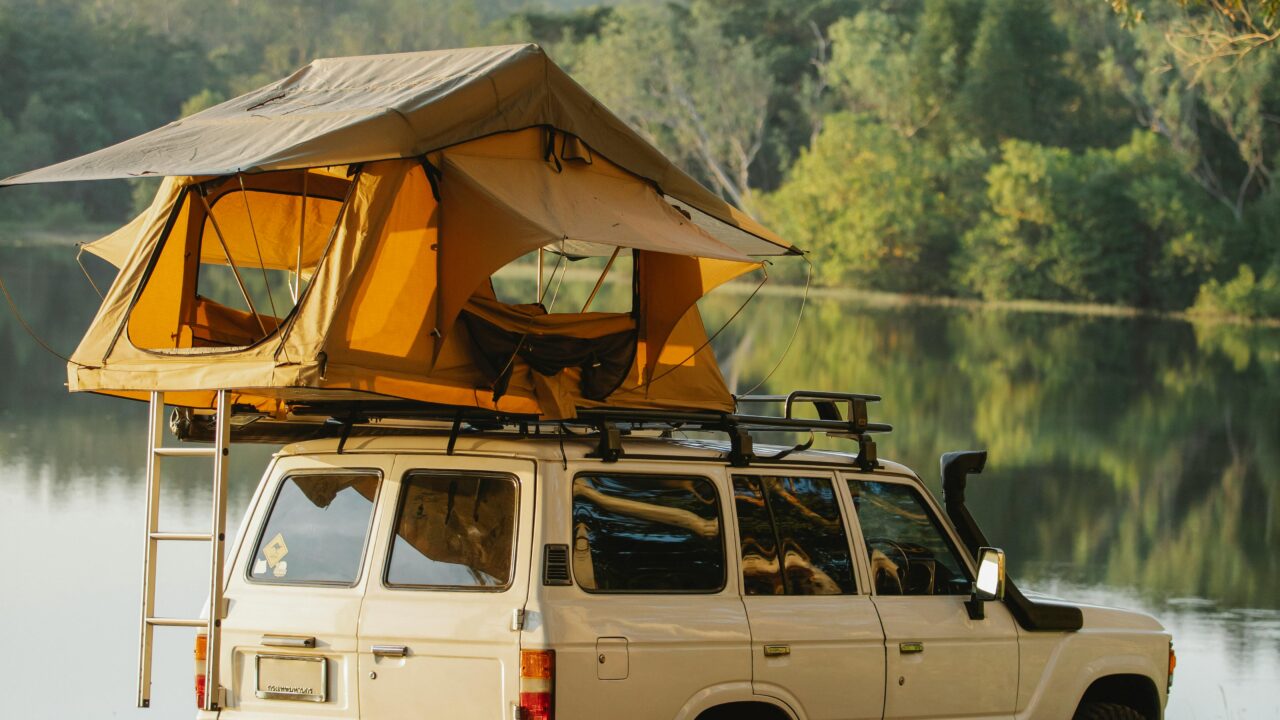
(317, 529)
(634, 533)
(453, 531)
(910, 555)
(793, 539)
(761, 571)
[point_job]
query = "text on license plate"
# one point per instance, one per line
(291, 677)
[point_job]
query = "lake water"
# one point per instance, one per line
(1134, 462)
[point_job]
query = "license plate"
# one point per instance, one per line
(292, 677)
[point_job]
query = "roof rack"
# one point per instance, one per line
(839, 414)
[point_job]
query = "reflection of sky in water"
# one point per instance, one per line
(1134, 464)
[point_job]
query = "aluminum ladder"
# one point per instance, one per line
(216, 538)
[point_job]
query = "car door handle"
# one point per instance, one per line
(777, 650)
(289, 641)
(907, 648)
(389, 650)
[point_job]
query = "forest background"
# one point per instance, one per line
(1119, 152)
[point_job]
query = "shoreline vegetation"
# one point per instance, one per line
(1099, 156)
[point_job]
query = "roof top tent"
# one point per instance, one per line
(332, 236)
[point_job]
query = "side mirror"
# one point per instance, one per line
(990, 583)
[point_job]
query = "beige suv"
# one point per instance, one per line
(491, 569)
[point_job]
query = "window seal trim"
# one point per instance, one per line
(275, 497)
(724, 550)
(395, 522)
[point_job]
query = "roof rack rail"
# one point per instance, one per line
(840, 414)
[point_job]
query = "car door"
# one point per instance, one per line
(652, 621)
(940, 662)
(816, 641)
(436, 628)
(294, 592)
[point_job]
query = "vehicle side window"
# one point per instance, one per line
(453, 531)
(316, 531)
(647, 534)
(793, 539)
(910, 554)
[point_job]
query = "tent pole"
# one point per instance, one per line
(302, 229)
(537, 295)
(227, 253)
(605, 273)
(266, 281)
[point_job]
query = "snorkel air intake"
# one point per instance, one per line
(1035, 615)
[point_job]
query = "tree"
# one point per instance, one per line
(698, 96)
(1241, 26)
(1110, 226)
(1013, 86)
(791, 38)
(865, 201)
(873, 71)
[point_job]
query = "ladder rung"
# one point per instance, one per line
(177, 622)
(186, 451)
(201, 537)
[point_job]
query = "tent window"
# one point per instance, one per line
(235, 260)
(567, 283)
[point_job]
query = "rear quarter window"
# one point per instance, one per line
(316, 530)
(647, 534)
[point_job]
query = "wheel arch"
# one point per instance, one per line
(731, 698)
(745, 710)
(1136, 691)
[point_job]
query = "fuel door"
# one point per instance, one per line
(612, 662)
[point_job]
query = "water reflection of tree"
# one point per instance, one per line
(1138, 453)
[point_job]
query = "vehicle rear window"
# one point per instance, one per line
(793, 539)
(647, 534)
(316, 531)
(453, 531)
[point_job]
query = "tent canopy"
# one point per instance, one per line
(375, 279)
(342, 111)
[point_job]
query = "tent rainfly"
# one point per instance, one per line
(333, 236)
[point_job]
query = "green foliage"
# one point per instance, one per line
(1016, 66)
(1111, 226)
(696, 94)
(1245, 295)
(869, 205)
(71, 85)
(790, 37)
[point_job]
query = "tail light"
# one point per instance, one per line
(538, 684)
(1173, 664)
(201, 652)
